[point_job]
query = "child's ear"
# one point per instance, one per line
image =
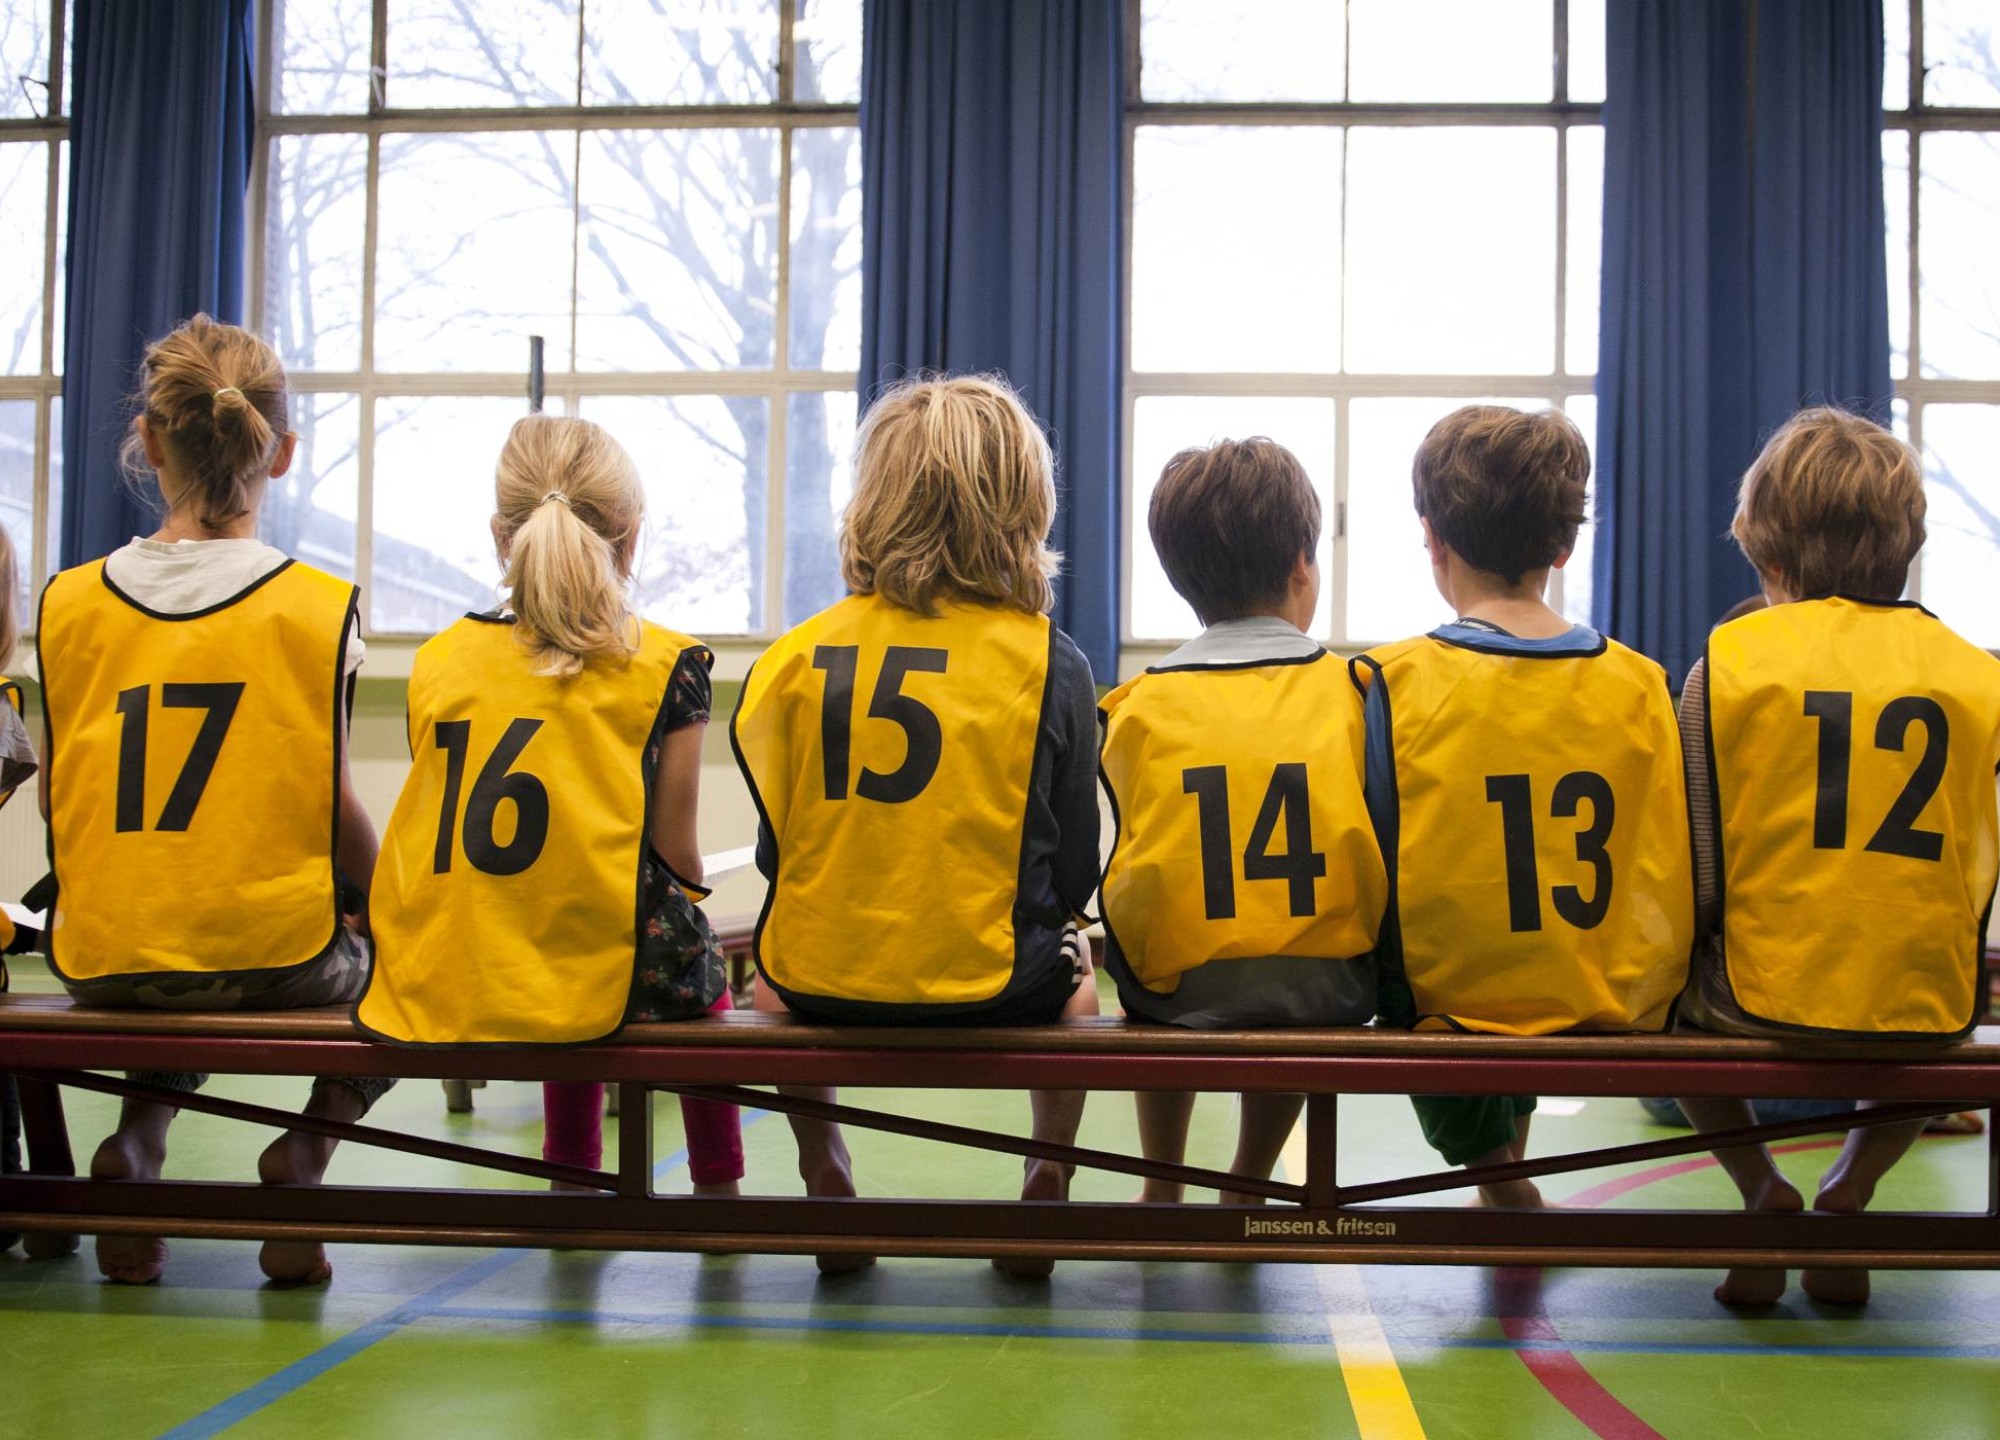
(1561, 560)
(282, 461)
(499, 537)
(156, 452)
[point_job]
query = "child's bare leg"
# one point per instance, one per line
(1261, 1133)
(1508, 1194)
(1057, 1115)
(1847, 1188)
(1163, 1132)
(136, 1150)
(299, 1158)
(824, 1164)
(1762, 1187)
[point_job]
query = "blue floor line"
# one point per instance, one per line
(308, 1368)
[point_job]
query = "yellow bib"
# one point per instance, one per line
(193, 772)
(506, 900)
(1854, 748)
(1241, 826)
(1542, 874)
(892, 757)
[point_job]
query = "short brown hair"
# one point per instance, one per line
(954, 494)
(1503, 488)
(1833, 506)
(1230, 521)
(215, 397)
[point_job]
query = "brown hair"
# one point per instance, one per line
(568, 505)
(1503, 488)
(10, 615)
(1833, 505)
(1229, 523)
(954, 494)
(214, 397)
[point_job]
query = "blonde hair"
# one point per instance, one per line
(954, 494)
(214, 397)
(1833, 506)
(568, 509)
(10, 616)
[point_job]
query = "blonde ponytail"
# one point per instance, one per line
(215, 397)
(569, 505)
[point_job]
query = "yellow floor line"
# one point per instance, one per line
(1383, 1409)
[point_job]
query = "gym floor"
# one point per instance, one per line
(446, 1342)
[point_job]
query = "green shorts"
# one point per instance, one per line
(1461, 1128)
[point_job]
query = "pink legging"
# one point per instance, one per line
(573, 1127)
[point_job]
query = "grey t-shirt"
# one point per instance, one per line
(1269, 991)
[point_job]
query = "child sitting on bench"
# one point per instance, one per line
(1842, 749)
(924, 758)
(1246, 887)
(540, 872)
(210, 851)
(1525, 778)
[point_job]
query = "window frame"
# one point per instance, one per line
(1915, 121)
(1559, 386)
(44, 388)
(562, 389)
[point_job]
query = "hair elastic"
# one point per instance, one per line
(555, 495)
(228, 390)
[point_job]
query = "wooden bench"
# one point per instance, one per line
(50, 1043)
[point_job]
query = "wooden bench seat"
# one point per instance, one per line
(48, 1040)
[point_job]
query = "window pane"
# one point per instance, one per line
(52, 532)
(703, 458)
(323, 49)
(1451, 50)
(1896, 218)
(24, 63)
(678, 266)
(819, 479)
(309, 511)
(828, 36)
(1961, 53)
(1389, 589)
(1958, 249)
(693, 52)
(312, 250)
(1451, 251)
(1166, 424)
(505, 53)
(17, 499)
(1586, 51)
(24, 233)
(1225, 50)
(61, 316)
(474, 251)
(1963, 489)
(433, 501)
(1576, 587)
(1895, 54)
(826, 250)
(1585, 238)
(1268, 295)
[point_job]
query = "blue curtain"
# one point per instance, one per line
(1744, 277)
(160, 146)
(992, 144)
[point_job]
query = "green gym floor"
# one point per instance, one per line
(447, 1342)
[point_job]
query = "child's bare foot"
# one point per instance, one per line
(720, 1190)
(1237, 1197)
(1826, 1284)
(129, 1259)
(1512, 1195)
(1753, 1285)
(1045, 1180)
(1160, 1192)
(295, 1158)
(835, 1181)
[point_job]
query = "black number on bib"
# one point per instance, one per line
(1898, 833)
(497, 784)
(1285, 799)
(134, 708)
(923, 736)
(1514, 795)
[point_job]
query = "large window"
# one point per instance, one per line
(1941, 153)
(1347, 220)
(33, 166)
(668, 195)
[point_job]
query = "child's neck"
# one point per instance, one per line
(1518, 609)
